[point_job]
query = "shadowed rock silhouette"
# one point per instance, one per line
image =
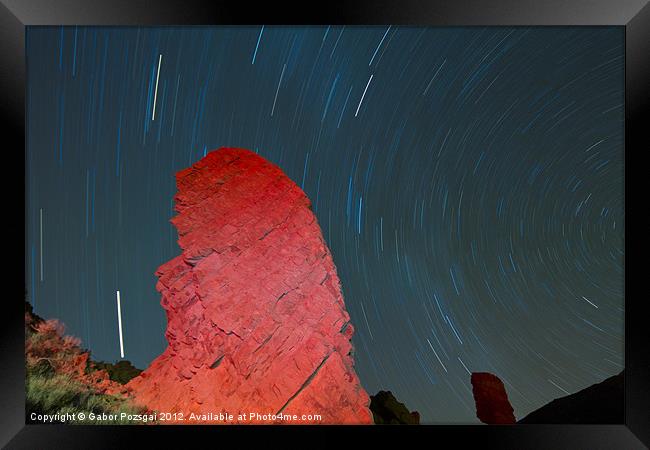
(601, 403)
(386, 410)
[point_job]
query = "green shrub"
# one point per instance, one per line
(121, 372)
(57, 380)
(60, 394)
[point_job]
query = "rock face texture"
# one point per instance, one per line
(256, 319)
(492, 404)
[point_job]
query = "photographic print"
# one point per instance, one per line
(324, 225)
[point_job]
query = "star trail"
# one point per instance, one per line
(469, 183)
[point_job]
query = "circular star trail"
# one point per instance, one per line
(469, 182)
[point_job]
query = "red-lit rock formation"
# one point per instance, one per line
(492, 404)
(256, 319)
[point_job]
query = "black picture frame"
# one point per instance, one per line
(633, 15)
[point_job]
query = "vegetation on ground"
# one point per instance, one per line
(62, 379)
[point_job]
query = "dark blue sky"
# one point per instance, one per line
(469, 182)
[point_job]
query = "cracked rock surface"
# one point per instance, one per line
(256, 321)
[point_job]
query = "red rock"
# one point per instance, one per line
(256, 318)
(492, 404)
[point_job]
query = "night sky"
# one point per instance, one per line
(469, 183)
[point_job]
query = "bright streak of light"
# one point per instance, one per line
(363, 95)
(155, 95)
(434, 352)
(119, 324)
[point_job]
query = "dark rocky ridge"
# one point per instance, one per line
(386, 410)
(601, 403)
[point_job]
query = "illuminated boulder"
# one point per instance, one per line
(256, 318)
